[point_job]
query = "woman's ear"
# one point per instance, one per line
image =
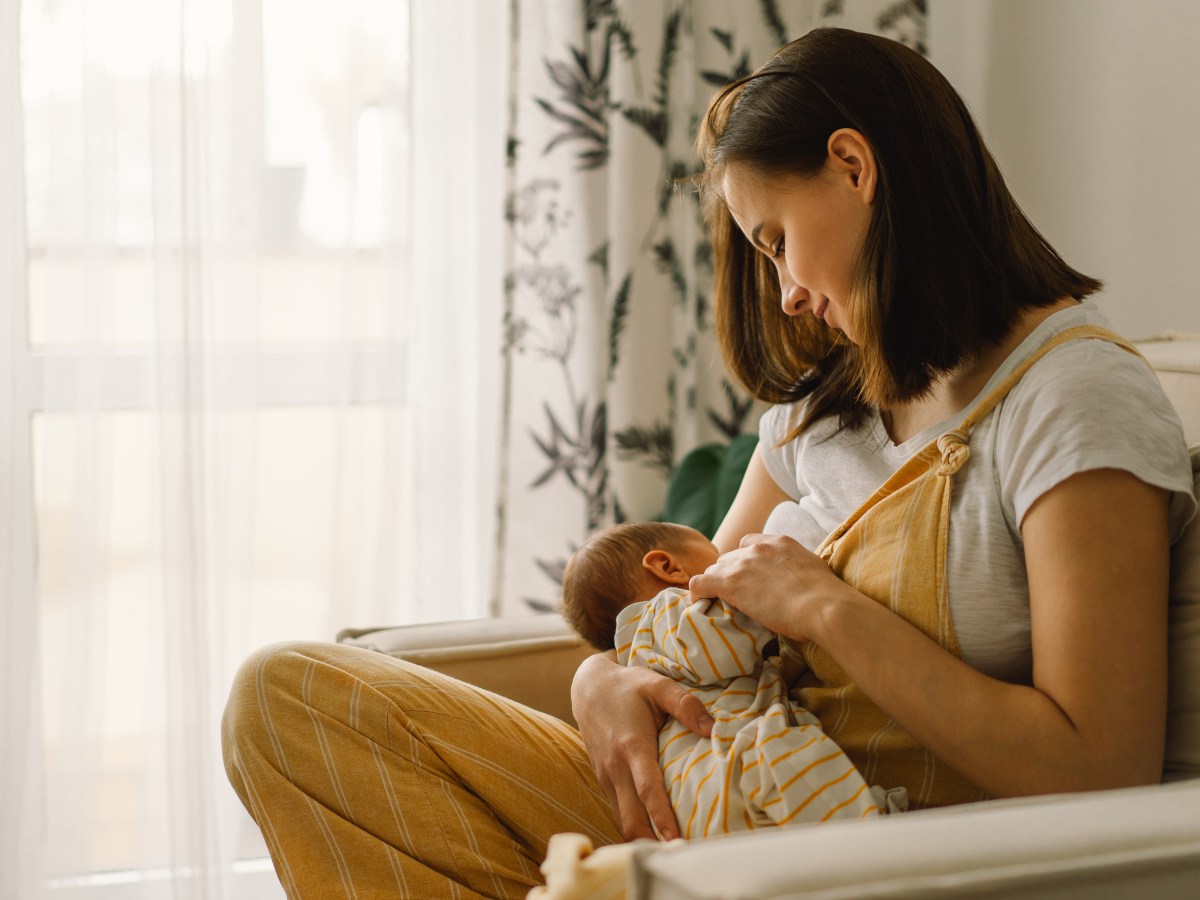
(663, 565)
(850, 154)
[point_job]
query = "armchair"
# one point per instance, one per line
(1138, 842)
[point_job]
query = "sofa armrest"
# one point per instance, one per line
(530, 659)
(1136, 842)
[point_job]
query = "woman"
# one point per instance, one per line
(999, 630)
(850, 167)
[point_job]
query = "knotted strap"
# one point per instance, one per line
(955, 452)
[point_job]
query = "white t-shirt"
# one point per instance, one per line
(1086, 405)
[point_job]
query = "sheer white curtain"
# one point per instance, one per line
(460, 113)
(22, 822)
(244, 362)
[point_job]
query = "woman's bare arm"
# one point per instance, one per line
(1097, 558)
(756, 497)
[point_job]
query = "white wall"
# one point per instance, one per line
(1092, 109)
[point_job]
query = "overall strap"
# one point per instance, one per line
(1079, 332)
(950, 451)
(952, 446)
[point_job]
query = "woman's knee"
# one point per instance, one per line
(280, 687)
(268, 681)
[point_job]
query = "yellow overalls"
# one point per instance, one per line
(893, 549)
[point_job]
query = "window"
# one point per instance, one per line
(217, 245)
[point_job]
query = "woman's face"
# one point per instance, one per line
(810, 228)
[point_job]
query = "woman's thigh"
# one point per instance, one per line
(364, 770)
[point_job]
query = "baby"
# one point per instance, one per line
(768, 761)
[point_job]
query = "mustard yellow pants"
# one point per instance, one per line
(371, 777)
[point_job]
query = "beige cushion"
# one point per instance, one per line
(1176, 361)
(1183, 712)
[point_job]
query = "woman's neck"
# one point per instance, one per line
(952, 393)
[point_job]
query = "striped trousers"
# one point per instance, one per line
(371, 777)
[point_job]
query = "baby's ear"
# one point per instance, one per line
(663, 565)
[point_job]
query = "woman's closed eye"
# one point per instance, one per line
(777, 250)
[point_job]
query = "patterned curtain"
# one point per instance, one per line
(612, 371)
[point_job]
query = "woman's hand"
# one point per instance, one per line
(620, 711)
(774, 580)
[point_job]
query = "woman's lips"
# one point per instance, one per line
(819, 311)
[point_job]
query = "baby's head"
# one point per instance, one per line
(626, 564)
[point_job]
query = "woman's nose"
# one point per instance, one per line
(791, 294)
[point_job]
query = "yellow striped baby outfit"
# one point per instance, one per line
(768, 762)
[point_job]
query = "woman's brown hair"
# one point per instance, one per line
(948, 262)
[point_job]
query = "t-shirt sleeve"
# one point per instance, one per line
(1090, 405)
(780, 461)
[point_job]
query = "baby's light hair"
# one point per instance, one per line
(605, 575)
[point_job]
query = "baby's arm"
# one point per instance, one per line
(698, 644)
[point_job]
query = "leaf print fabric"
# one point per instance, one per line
(612, 371)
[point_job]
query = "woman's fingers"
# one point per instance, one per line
(715, 580)
(633, 781)
(701, 587)
(620, 785)
(645, 798)
(684, 707)
(653, 801)
(610, 791)
(619, 711)
(771, 578)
